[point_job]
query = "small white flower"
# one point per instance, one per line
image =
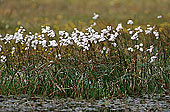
(141, 49)
(101, 51)
(104, 31)
(159, 17)
(102, 39)
(153, 59)
(13, 50)
(137, 46)
(156, 33)
(59, 56)
(26, 48)
(135, 36)
(94, 24)
(43, 43)
(149, 30)
(130, 49)
(86, 47)
(3, 59)
(141, 44)
(119, 27)
(157, 37)
(0, 48)
(150, 49)
(95, 41)
(53, 43)
(61, 33)
(114, 44)
(109, 28)
(130, 32)
(128, 29)
(95, 16)
(112, 37)
(51, 33)
(139, 29)
(104, 48)
(130, 22)
(47, 30)
(107, 51)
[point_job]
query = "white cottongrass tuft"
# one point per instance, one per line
(137, 46)
(141, 49)
(156, 33)
(130, 49)
(150, 49)
(159, 17)
(13, 50)
(130, 22)
(152, 59)
(3, 59)
(53, 43)
(0, 48)
(114, 44)
(119, 27)
(95, 16)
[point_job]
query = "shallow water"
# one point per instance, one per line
(27, 104)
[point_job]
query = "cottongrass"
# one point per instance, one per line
(122, 60)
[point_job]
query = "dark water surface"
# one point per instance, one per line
(158, 103)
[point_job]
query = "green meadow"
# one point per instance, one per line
(60, 48)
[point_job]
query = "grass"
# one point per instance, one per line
(62, 14)
(69, 71)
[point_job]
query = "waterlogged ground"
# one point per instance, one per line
(145, 103)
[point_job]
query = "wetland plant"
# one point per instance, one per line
(121, 60)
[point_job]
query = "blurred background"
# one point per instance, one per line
(66, 14)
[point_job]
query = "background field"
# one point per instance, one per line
(65, 14)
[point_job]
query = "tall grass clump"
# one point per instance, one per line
(94, 63)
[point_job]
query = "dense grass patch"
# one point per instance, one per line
(96, 62)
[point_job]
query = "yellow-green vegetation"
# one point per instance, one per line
(122, 51)
(65, 14)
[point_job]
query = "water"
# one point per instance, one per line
(27, 104)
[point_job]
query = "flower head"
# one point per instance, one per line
(159, 17)
(3, 59)
(130, 22)
(53, 43)
(0, 48)
(153, 59)
(95, 16)
(119, 27)
(150, 49)
(130, 49)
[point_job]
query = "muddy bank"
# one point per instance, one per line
(27, 104)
